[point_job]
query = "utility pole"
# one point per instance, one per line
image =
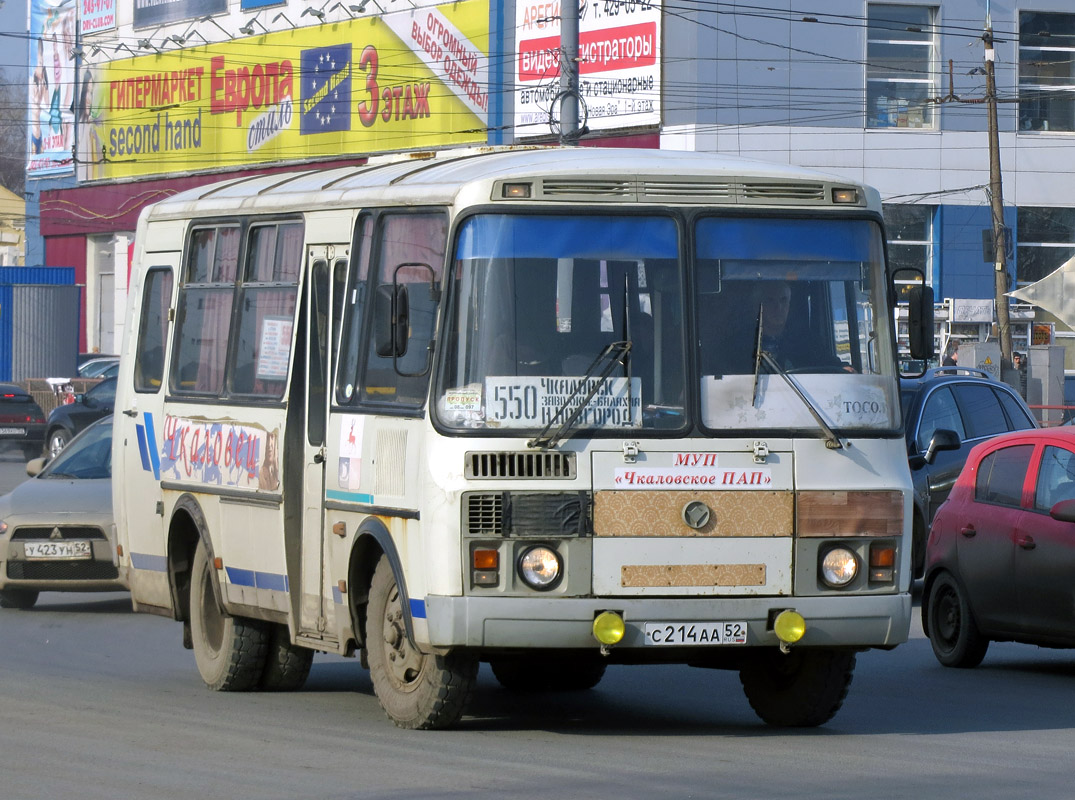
(1000, 254)
(569, 71)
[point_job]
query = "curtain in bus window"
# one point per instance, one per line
(203, 323)
(153, 333)
(267, 310)
(416, 240)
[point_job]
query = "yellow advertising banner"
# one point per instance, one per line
(411, 79)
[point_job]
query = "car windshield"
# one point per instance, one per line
(89, 455)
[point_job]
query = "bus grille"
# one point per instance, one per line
(521, 466)
(783, 191)
(528, 514)
(485, 514)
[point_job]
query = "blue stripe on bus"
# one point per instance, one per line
(151, 437)
(418, 609)
(354, 497)
(149, 562)
(141, 431)
(240, 577)
(337, 596)
(270, 580)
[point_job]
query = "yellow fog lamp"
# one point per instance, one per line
(846, 196)
(789, 627)
(608, 628)
(516, 191)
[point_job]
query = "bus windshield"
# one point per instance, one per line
(537, 300)
(546, 308)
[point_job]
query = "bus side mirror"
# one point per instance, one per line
(391, 320)
(920, 322)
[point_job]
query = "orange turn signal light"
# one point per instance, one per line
(882, 556)
(486, 559)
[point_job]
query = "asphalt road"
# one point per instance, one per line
(98, 702)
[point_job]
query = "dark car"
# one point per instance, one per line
(1001, 554)
(22, 422)
(945, 413)
(106, 367)
(67, 420)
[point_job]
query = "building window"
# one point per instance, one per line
(910, 238)
(901, 52)
(1046, 71)
(1046, 238)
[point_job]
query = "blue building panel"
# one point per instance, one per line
(959, 263)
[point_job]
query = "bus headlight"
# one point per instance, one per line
(540, 567)
(839, 566)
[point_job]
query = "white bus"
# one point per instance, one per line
(549, 409)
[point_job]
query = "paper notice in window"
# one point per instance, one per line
(273, 355)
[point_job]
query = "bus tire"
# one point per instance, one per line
(229, 651)
(418, 691)
(800, 689)
(953, 633)
(287, 665)
(23, 599)
(543, 673)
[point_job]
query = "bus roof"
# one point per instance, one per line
(572, 174)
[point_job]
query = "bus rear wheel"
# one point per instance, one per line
(800, 689)
(549, 673)
(229, 651)
(416, 690)
(287, 665)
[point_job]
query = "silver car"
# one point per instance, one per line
(56, 531)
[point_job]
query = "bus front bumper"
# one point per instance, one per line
(549, 623)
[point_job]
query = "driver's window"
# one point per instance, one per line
(1056, 478)
(409, 251)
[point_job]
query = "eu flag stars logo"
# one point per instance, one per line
(326, 89)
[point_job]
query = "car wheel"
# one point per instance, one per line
(417, 690)
(802, 688)
(955, 637)
(18, 598)
(538, 673)
(230, 651)
(58, 440)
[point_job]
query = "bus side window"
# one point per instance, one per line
(266, 317)
(153, 333)
(408, 239)
(203, 315)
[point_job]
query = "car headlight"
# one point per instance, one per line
(3, 527)
(540, 567)
(839, 566)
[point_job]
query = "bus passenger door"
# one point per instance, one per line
(313, 619)
(139, 428)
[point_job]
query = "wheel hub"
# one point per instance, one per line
(404, 662)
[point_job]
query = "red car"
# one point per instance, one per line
(1000, 560)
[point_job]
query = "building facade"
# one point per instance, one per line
(891, 93)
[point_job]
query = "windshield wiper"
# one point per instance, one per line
(615, 353)
(832, 441)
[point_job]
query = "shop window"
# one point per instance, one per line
(901, 56)
(1046, 71)
(1046, 239)
(910, 237)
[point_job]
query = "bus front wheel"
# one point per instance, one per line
(230, 651)
(802, 688)
(416, 690)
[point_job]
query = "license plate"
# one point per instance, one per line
(47, 550)
(692, 633)
(12, 431)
